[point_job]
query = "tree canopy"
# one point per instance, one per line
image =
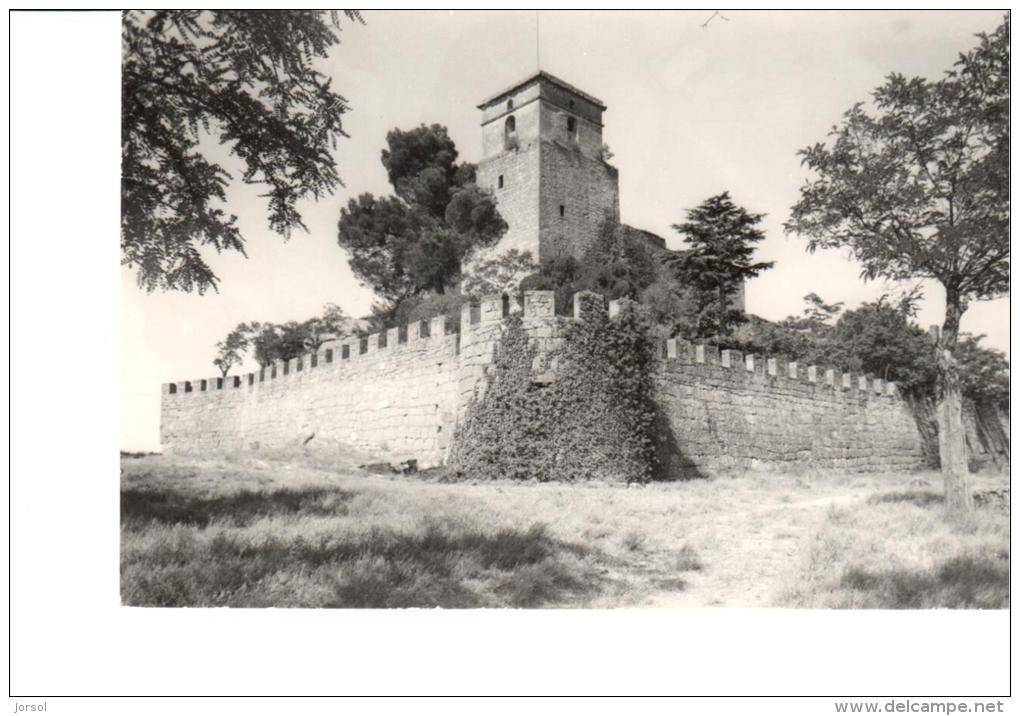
(916, 185)
(497, 274)
(270, 342)
(230, 351)
(720, 239)
(417, 240)
(246, 79)
(880, 338)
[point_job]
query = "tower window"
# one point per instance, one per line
(571, 104)
(509, 104)
(563, 210)
(510, 133)
(500, 181)
(572, 127)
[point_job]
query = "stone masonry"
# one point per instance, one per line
(542, 159)
(733, 412)
(397, 393)
(401, 393)
(379, 392)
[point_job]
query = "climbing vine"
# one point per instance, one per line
(583, 411)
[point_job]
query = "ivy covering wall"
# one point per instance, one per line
(585, 411)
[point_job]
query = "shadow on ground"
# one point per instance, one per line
(141, 506)
(994, 499)
(920, 498)
(182, 550)
(970, 582)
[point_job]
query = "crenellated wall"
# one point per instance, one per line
(402, 393)
(734, 412)
(396, 392)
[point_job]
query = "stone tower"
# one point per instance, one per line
(542, 159)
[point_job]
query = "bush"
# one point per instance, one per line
(616, 265)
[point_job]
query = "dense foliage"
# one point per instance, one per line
(497, 274)
(479, 278)
(720, 239)
(805, 338)
(415, 242)
(245, 79)
(560, 274)
(595, 419)
(615, 266)
(879, 338)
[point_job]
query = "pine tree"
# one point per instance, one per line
(720, 239)
(416, 241)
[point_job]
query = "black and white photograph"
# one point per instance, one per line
(684, 313)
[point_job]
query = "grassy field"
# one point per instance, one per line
(307, 530)
(901, 551)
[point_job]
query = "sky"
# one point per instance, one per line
(693, 110)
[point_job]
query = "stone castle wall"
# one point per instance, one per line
(397, 393)
(987, 428)
(401, 394)
(733, 412)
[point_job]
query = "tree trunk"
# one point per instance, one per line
(952, 437)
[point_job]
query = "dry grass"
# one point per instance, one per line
(903, 551)
(312, 530)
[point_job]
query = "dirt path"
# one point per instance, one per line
(747, 555)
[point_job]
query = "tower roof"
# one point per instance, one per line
(536, 77)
